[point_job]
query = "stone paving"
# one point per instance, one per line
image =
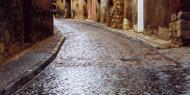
(95, 61)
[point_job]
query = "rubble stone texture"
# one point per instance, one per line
(23, 21)
(11, 25)
(117, 16)
(42, 20)
(179, 26)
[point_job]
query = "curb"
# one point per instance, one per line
(30, 74)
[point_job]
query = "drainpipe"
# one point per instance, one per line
(140, 21)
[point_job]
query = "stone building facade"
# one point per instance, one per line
(163, 19)
(24, 21)
(72, 8)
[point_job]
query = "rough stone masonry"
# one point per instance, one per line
(24, 21)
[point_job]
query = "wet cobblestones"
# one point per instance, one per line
(95, 61)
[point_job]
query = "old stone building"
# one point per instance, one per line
(163, 19)
(24, 21)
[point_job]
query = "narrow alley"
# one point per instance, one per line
(94, 47)
(95, 61)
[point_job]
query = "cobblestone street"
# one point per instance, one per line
(96, 61)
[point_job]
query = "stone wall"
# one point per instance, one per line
(115, 13)
(78, 9)
(134, 13)
(161, 17)
(157, 15)
(158, 12)
(85, 8)
(130, 14)
(23, 21)
(98, 10)
(11, 24)
(92, 10)
(103, 10)
(180, 22)
(60, 7)
(42, 19)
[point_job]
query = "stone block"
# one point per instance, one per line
(14, 16)
(179, 25)
(172, 27)
(175, 28)
(163, 33)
